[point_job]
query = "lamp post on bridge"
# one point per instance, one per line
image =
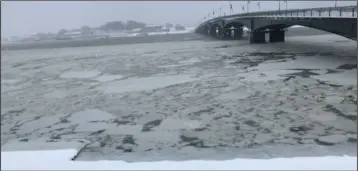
(220, 10)
(279, 6)
(335, 3)
(231, 10)
(286, 5)
(247, 7)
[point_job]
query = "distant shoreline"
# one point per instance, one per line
(298, 31)
(102, 42)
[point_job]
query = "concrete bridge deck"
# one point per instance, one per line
(338, 20)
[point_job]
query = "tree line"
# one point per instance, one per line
(110, 26)
(120, 26)
(116, 26)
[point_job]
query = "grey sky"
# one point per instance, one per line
(25, 18)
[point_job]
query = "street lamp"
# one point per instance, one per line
(247, 8)
(335, 3)
(231, 10)
(220, 9)
(279, 6)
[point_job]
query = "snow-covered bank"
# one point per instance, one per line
(61, 160)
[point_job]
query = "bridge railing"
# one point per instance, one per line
(340, 11)
(343, 11)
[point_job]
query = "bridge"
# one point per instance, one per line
(338, 20)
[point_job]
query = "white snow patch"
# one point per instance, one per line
(143, 84)
(178, 124)
(79, 74)
(171, 66)
(106, 78)
(272, 71)
(234, 95)
(343, 78)
(182, 63)
(60, 160)
(321, 71)
(319, 62)
(258, 76)
(9, 81)
(190, 61)
(90, 115)
(57, 94)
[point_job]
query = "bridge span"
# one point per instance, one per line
(338, 20)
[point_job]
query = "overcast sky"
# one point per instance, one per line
(24, 18)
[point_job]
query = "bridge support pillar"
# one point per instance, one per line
(237, 34)
(234, 34)
(277, 36)
(257, 37)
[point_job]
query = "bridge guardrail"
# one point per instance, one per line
(343, 11)
(340, 11)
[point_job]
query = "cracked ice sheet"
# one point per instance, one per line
(343, 78)
(316, 62)
(141, 84)
(61, 160)
(192, 96)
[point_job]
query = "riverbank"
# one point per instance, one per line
(102, 42)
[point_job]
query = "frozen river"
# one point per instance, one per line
(184, 100)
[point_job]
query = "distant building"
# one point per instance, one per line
(70, 35)
(168, 25)
(137, 30)
(29, 38)
(153, 28)
(179, 28)
(166, 29)
(92, 33)
(99, 33)
(14, 39)
(142, 34)
(73, 34)
(147, 29)
(44, 36)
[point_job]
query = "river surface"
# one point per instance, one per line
(185, 100)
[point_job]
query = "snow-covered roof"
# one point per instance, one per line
(153, 26)
(73, 33)
(137, 29)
